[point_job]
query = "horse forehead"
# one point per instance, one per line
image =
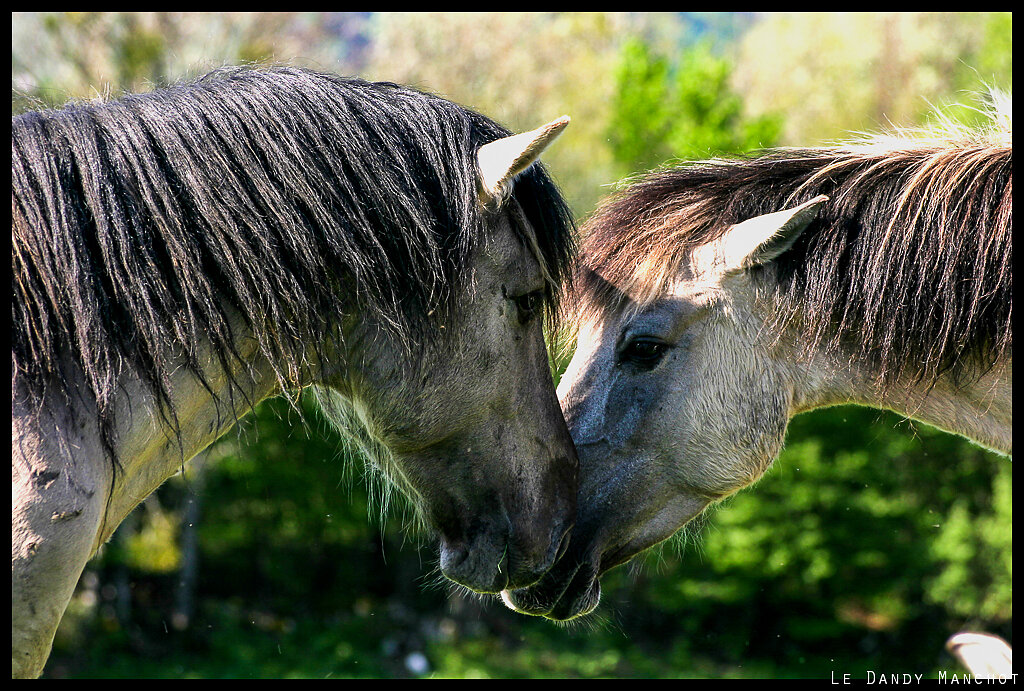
(501, 243)
(701, 264)
(592, 332)
(696, 288)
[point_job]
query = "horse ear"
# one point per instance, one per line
(500, 161)
(761, 239)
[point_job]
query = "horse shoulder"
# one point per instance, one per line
(58, 497)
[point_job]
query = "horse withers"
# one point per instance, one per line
(181, 255)
(718, 299)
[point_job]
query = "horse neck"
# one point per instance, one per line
(150, 451)
(980, 409)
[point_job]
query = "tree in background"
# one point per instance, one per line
(663, 112)
(837, 73)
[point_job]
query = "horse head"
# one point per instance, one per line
(470, 428)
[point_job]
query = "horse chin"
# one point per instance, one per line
(562, 594)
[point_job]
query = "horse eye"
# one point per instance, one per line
(528, 305)
(643, 352)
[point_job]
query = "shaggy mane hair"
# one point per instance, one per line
(909, 263)
(290, 197)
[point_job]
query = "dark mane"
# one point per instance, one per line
(287, 196)
(909, 262)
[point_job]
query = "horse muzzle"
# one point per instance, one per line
(568, 591)
(490, 565)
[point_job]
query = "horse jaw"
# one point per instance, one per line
(500, 161)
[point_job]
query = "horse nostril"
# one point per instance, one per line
(452, 557)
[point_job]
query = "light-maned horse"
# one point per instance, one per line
(718, 299)
(181, 255)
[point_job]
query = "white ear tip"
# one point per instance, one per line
(500, 161)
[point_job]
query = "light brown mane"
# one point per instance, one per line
(910, 260)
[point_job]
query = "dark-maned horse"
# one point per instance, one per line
(181, 255)
(719, 299)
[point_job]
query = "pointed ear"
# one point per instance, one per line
(500, 161)
(761, 239)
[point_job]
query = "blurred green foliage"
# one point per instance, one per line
(662, 112)
(833, 73)
(869, 542)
